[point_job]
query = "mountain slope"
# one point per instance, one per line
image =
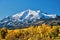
(26, 18)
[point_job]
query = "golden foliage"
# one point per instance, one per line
(44, 32)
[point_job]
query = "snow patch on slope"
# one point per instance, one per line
(18, 15)
(50, 15)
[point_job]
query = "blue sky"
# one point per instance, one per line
(10, 7)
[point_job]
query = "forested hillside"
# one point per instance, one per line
(40, 32)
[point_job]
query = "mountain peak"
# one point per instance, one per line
(27, 14)
(35, 14)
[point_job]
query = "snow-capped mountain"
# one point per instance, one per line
(27, 14)
(25, 18)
